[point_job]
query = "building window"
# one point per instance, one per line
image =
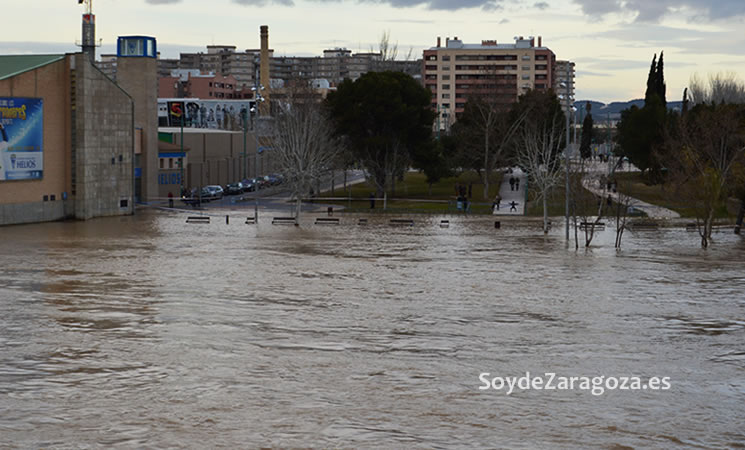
(526, 67)
(446, 106)
(526, 77)
(430, 67)
(445, 95)
(460, 105)
(445, 86)
(526, 57)
(446, 57)
(446, 77)
(170, 163)
(162, 163)
(432, 58)
(445, 67)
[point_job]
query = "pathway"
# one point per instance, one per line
(509, 194)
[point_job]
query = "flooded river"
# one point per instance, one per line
(149, 332)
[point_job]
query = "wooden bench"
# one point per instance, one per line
(362, 222)
(444, 224)
(402, 222)
(644, 226)
(250, 221)
(592, 225)
(327, 221)
(198, 219)
(283, 221)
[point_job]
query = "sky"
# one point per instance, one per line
(612, 42)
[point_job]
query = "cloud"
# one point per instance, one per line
(654, 10)
(442, 5)
(541, 5)
(660, 37)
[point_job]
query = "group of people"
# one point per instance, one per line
(498, 203)
(514, 183)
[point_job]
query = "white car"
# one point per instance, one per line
(215, 192)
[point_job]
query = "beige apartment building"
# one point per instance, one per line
(502, 72)
(564, 83)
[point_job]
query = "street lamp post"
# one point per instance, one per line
(245, 126)
(566, 161)
(255, 109)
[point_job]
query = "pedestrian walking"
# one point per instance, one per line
(497, 202)
(512, 183)
(170, 199)
(517, 183)
(513, 206)
(372, 200)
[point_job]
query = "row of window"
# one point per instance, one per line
(487, 58)
(178, 163)
(489, 67)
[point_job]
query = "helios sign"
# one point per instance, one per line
(21, 138)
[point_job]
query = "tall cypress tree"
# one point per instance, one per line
(651, 81)
(660, 87)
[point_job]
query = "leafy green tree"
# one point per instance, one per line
(385, 117)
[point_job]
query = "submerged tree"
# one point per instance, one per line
(538, 155)
(304, 145)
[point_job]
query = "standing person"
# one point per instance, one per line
(372, 200)
(470, 190)
(513, 206)
(170, 199)
(497, 202)
(517, 183)
(512, 183)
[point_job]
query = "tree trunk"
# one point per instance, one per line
(298, 206)
(740, 215)
(545, 214)
(486, 165)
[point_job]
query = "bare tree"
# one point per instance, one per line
(701, 152)
(304, 145)
(538, 155)
(721, 88)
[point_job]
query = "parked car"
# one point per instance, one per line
(213, 192)
(274, 179)
(234, 188)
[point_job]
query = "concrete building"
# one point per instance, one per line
(68, 140)
(137, 73)
(502, 72)
(190, 83)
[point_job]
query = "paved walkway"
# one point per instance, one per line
(510, 194)
(592, 184)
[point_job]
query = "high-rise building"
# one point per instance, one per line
(500, 72)
(564, 83)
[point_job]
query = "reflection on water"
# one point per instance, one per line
(149, 332)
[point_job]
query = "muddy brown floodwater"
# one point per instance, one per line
(149, 332)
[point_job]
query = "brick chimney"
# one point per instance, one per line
(438, 41)
(264, 68)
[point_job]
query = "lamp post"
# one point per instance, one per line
(255, 109)
(244, 114)
(566, 160)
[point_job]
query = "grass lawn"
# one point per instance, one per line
(587, 205)
(634, 185)
(413, 195)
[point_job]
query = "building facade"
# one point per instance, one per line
(500, 72)
(68, 141)
(564, 84)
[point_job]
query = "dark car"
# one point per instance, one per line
(248, 185)
(274, 179)
(212, 192)
(234, 188)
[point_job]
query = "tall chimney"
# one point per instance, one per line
(438, 41)
(264, 68)
(540, 41)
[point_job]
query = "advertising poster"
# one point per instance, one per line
(21, 138)
(211, 114)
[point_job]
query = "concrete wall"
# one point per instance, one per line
(104, 144)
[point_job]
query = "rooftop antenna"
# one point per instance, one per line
(89, 31)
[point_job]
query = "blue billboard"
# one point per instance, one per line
(21, 138)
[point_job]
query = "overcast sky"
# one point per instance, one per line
(611, 41)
